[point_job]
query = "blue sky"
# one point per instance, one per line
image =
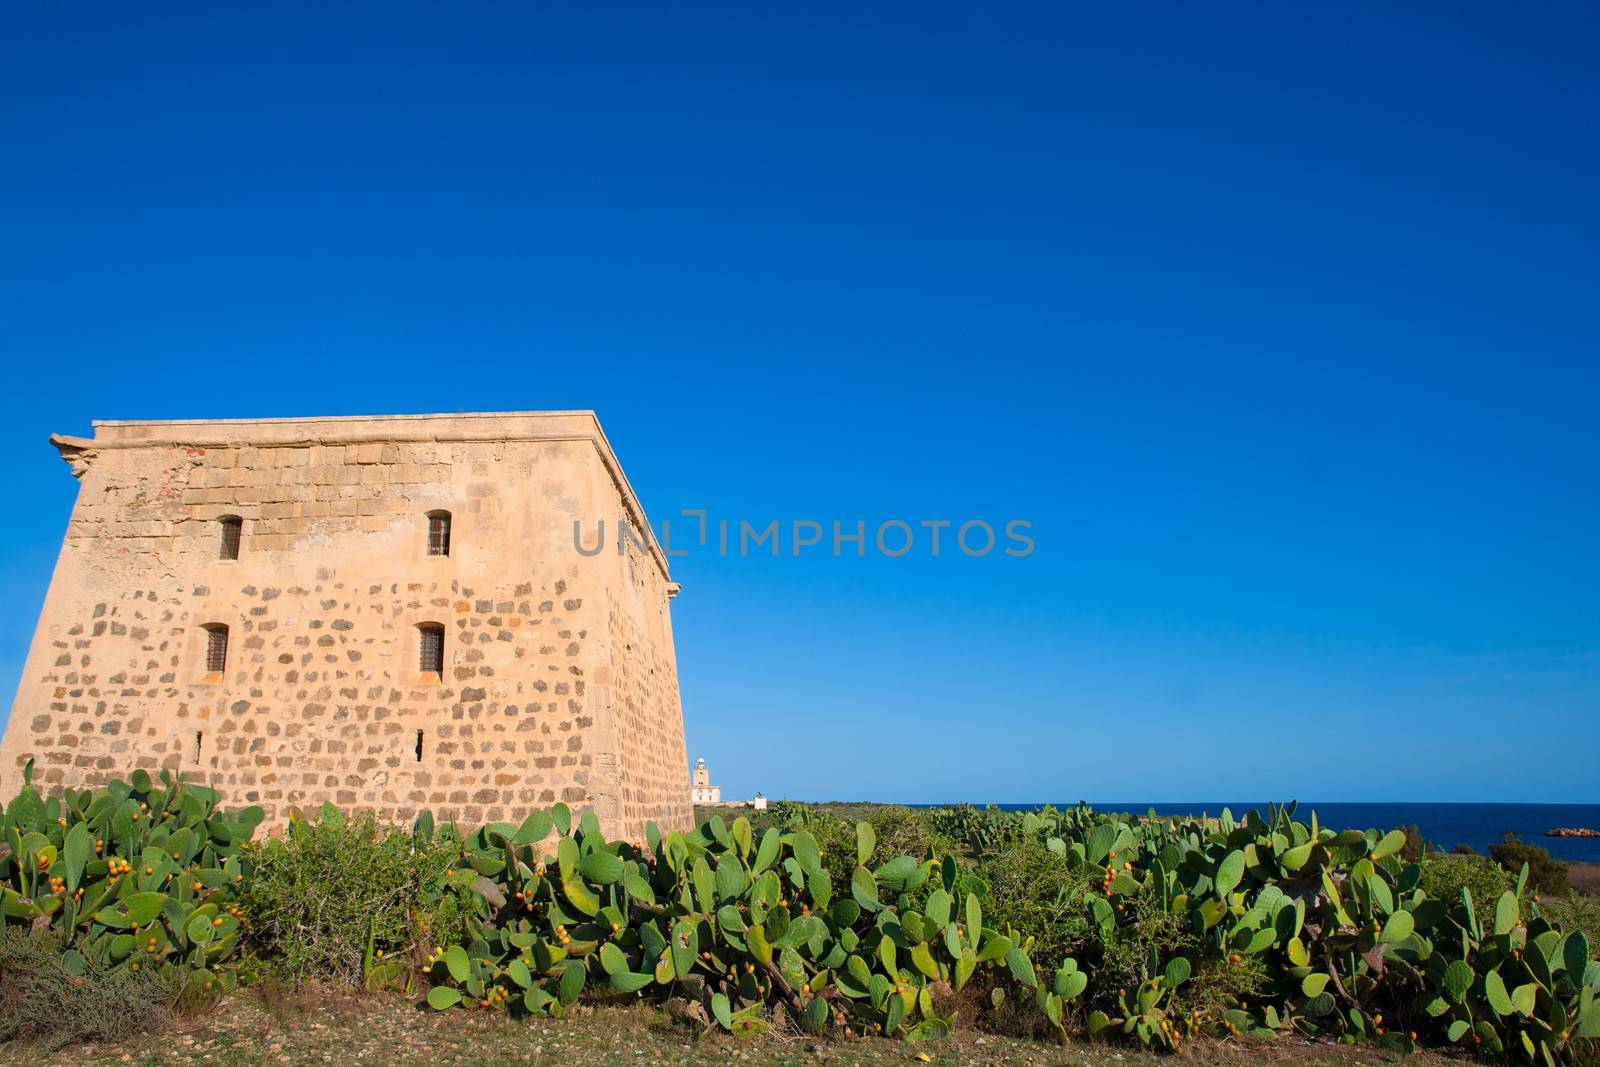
(1279, 326)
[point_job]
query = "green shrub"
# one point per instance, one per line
(1443, 877)
(50, 999)
(1220, 985)
(1545, 874)
(1122, 957)
(326, 890)
(900, 831)
(776, 814)
(1574, 913)
(1033, 891)
(904, 831)
(835, 838)
(979, 831)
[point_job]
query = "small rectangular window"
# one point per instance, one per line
(439, 533)
(232, 527)
(217, 649)
(431, 661)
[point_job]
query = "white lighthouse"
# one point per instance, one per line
(701, 791)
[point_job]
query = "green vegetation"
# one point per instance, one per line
(322, 898)
(900, 923)
(113, 904)
(1545, 875)
(1445, 876)
(741, 924)
(1030, 889)
(1344, 934)
(139, 875)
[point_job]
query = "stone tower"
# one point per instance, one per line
(388, 613)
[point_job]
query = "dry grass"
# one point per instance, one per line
(44, 1006)
(1585, 878)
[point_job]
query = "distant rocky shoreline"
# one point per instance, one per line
(1572, 831)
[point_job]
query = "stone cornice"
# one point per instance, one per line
(472, 428)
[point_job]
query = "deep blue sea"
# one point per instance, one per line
(1444, 825)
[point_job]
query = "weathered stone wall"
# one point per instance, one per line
(560, 680)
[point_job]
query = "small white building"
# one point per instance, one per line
(701, 791)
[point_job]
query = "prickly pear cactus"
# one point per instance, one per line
(139, 874)
(739, 924)
(1338, 920)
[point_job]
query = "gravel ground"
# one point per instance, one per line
(258, 1029)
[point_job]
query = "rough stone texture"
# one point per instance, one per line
(560, 681)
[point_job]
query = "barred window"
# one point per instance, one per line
(216, 649)
(431, 645)
(232, 527)
(438, 533)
